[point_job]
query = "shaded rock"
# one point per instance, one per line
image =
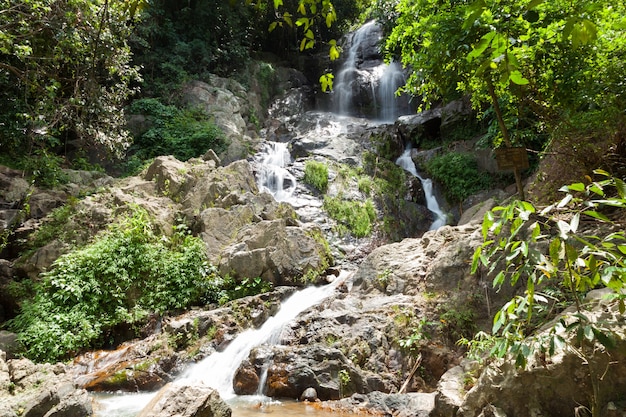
(378, 403)
(9, 344)
(309, 394)
(186, 401)
(533, 391)
(327, 370)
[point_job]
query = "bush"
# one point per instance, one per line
(459, 175)
(184, 133)
(316, 174)
(356, 216)
(126, 273)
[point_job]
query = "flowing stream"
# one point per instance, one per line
(406, 162)
(218, 370)
(273, 176)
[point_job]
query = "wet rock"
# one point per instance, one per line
(327, 370)
(309, 394)
(246, 380)
(186, 401)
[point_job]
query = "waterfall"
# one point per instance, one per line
(406, 162)
(364, 84)
(272, 176)
(218, 369)
(390, 80)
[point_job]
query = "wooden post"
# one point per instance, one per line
(505, 136)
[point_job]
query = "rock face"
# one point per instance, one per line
(45, 390)
(351, 342)
(247, 233)
(572, 379)
(186, 401)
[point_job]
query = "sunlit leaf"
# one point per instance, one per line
(517, 78)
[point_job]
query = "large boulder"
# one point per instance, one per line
(562, 384)
(178, 400)
(28, 389)
(291, 370)
(225, 101)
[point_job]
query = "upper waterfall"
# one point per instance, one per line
(365, 86)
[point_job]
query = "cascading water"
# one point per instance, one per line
(391, 79)
(406, 162)
(365, 85)
(273, 177)
(218, 369)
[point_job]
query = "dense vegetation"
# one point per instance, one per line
(548, 76)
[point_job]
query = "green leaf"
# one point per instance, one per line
(334, 53)
(596, 215)
(533, 4)
(579, 186)
(605, 339)
(278, 3)
(484, 42)
(272, 26)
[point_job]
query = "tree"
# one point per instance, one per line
(557, 259)
(547, 59)
(65, 74)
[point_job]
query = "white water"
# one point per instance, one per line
(218, 369)
(273, 177)
(406, 162)
(390, 80)
(383, 80)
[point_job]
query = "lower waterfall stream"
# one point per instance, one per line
(217, 370)
(406, 162)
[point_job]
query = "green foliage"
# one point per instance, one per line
(45, 168)
(316, 174)
(534, 63)
(459, 175)
(183, 133)
(65, 74)
(232, 290)
(125, 273)
(418, 334)
(575, 259)
(357, 217)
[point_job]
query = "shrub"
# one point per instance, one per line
(459, 174)
(316, 174)
(127, 272)
(184, 133)
(356, 216)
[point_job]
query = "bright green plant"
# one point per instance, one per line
(418, 334)
(459, 175)
(316, 174)
(230, 289)
(576, 260)
(357, 217)
(127, 272)
(344, 380)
